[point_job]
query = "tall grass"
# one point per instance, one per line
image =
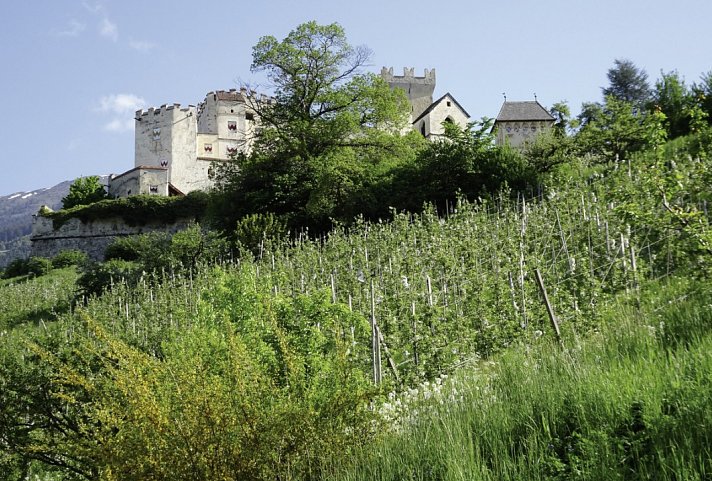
(632, 402)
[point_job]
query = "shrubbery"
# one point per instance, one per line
(137, 210)
(69, 258)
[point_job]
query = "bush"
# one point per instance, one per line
(69, 258)
(253, 229)
(16, 268)
(98, 277)
(39, 266)
(136, 210)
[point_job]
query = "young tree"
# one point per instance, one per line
(324, 114)
(628, 83)
(702, 92)
(672, 97)
(84, 191)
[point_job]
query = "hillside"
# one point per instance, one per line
(276, 362)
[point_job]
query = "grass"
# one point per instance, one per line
(631, 402)
(31, 300)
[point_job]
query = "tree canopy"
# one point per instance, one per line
(84, 191)
(321, 135)
(627, 82)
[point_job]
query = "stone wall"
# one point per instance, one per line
(90, 237)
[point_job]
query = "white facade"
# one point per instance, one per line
(185, 141)
(445, 109)
(141, 180)
(517, 134)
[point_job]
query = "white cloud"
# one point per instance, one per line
(120, 108)
(74, 28)
(141, 45)
(119, 125)
(121, 103)
(108, 29)
(96, 7)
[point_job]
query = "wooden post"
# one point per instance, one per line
(430, 291)
(333, 289)
(375, 344)
(549, 307)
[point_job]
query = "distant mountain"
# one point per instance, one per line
(16, 212)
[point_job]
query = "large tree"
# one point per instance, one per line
(319, 135)
(627, 82)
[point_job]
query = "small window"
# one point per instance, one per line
(449, 104)
(231, 151)
(232, 126)
(422, 129)
(153, 189)
(156, 134)
(208, 148)
(250, 116)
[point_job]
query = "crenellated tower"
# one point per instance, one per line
(165, 138)
(418, 89)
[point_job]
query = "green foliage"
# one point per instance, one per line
(100, 276)
(624, 404)
(33, 300)
(627, 83)
(253, 230)
(618, 129)
(84, 191)
(38, 266)
(257, 394)
(137, 209)
(16, 268)
(68, 258)
(672, 97)
(321, 137)
(152, 253)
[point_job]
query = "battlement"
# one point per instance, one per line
(163, 109)
(408, 76)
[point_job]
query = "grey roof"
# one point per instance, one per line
(523, 111)
(434, 104)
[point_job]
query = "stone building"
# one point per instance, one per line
(426, 116)
(176, 146)
(519, 122)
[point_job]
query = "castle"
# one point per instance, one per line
(176, 146)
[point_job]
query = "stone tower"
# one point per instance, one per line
(418, 89)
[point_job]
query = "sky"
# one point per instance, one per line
(73, 72)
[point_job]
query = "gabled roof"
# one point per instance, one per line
(523, 111)
(435, 104)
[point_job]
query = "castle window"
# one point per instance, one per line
(232, 125)
(231, 151)
(208, 148)
(249, 116)
(153, 189)
(449, 104)
(422, 129)
(156, 134)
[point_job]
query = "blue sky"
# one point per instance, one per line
(74, 72)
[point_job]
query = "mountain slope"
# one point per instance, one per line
(16, 212)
